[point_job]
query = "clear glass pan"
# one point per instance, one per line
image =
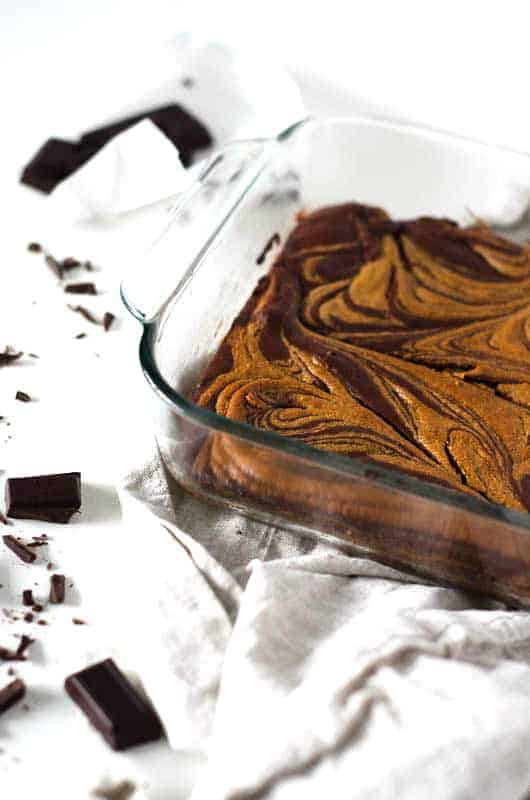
(203, 269)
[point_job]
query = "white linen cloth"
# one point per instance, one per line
(300, 670)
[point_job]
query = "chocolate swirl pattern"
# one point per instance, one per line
(405, 343)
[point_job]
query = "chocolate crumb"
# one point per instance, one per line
(35, 247)
(88, 265)
(187, 82)
(108, 319)
(24, 397)
(19, 549)
(41, 622)
(25, 642)
(3, 519)
(80, 336)
(57, 588)
(54, 265)
(29, 617)
(37, 607)
(117, 791)
(80, 288)
(27, 598)
(33, 355)
(84, 313)
(78, 621)
(11, 671)
(25, 707)
(8, 355)
(70, 263)
(50, 565)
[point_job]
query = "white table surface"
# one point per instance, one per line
(63, 64)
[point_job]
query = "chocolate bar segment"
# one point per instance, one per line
(11, 694)
(113, 706)
(51, 498)
(57, 158)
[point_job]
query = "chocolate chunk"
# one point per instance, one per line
(57, 158)
(27, 598)
(11, 694)
(35, 247)
(274, 239)
(23, 396)
(52, 498)
(19, 549)
(8, 355)
(80, 288)
(84, 313)
(113, 706)
(108, 319)
(57, 588)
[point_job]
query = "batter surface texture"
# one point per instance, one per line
(404, 342)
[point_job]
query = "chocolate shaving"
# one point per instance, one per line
(24, 397)
(54, 265)
(11, 694)
(80, 336)
(108, 319)
(8, 355)
(57, 588)
(35, 247)
(84, 313)
(19, 549)
(27, 598)
(274, 239)
(80, 288)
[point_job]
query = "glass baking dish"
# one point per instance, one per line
(202, 270)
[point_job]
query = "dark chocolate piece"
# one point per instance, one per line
(274, 239)
(113, 706)
(84, 313)
(8, 355)
(57, 588)
(11, 694)
(57, 159)
(19, 549)
(29, 617)
(27, 598)
(108, 319)
(80, 288)
(24, 397)
(52, 498)
(35, 247)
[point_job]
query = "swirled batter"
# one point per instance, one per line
(404, 342)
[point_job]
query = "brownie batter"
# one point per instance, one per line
(403, 342)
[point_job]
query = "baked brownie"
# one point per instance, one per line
(403, 342)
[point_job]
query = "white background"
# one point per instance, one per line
(65, 65)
